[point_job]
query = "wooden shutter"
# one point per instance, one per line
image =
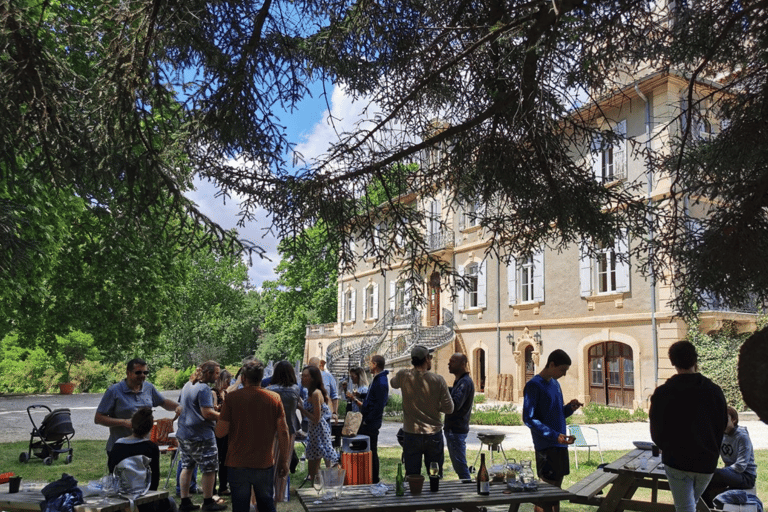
(462, 291)
(512, 281)
(620, 152)
(538, 276)
(622, 262)
(481, 285)
(376, 301)
(585, 270)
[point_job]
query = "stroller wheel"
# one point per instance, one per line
(24, 457)
(48, 461)
(68, 460)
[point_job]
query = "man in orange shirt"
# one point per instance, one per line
(252, 417)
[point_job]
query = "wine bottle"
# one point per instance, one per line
(399, 485)
(483, 479)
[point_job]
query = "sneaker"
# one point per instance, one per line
(213, 507)
(187, 507)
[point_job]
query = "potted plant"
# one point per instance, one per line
(73, 349)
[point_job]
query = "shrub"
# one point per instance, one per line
(394, 405)
(479, 398)
(503, 415)
(91, 376)
(596, 413)
(183, 377)
(165, 378)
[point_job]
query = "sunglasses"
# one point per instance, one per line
(139, 372)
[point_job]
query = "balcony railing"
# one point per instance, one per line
(443, 239)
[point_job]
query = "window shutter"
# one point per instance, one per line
(463, 217)
(408, 296)
(376, 301)
(620, 152)
(538, 276)
(585, 271)
(354, 305)
(512, 281)
(392, 288)
(343, 303)
(683, 113)
(596, 152)
(365, 303)
(462, 292)
(622, 263)
(481, 287)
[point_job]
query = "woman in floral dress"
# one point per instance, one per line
(315, 409)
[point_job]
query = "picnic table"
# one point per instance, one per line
(635, 469)
(452, 494)
(31, 501)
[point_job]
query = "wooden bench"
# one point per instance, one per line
(587, 489)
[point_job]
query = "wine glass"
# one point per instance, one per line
(434, 469)
(317, 483)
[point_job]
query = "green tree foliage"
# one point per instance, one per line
(124, 100)
(719, 354)
(304, 293)
(213, 319)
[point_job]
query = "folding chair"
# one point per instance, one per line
(581, 442)
(163, 436)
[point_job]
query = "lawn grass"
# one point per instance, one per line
(89, 463)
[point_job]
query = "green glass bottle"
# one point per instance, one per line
(399, 484)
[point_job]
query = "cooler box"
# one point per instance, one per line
(355, 444)
(358, 468)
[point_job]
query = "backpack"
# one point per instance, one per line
(132, 476)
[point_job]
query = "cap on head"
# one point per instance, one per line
(420, 352)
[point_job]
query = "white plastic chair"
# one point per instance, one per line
(581, 442)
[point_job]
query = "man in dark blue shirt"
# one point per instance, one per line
(544, 413)
(456, 425)
(372, 408)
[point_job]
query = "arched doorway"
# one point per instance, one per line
(530, 367)
(478, 369)
(611, 374)
(434, 299)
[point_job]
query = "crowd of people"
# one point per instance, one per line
(219, 434)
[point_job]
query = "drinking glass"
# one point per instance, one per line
(317, 483)
(434, 469)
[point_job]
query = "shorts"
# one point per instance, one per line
(552, 464)
(199, 452)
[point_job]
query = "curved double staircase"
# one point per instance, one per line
(392, 337)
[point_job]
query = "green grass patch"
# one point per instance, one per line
(599, 414)
(90, 463)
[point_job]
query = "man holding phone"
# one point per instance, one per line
(544, 413)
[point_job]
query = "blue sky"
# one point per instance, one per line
(307, 127)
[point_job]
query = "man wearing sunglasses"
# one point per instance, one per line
(126, 397)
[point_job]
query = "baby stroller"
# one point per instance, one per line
(55, 430)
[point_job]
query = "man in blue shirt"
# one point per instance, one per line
(456, 424)
(196, 436)
(544, 413)
(126, 397)
(372, 409)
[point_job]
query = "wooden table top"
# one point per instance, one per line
(452, 493)
(639, 463)
(23, 501)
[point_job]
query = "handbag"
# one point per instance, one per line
(352, 422)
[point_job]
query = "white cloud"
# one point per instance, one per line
(345, 114)
(226, 215)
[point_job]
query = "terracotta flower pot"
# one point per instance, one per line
(66, 388)
(415, 483)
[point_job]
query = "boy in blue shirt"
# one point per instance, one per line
(544, 413)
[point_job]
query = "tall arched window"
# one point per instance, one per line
(611, 374)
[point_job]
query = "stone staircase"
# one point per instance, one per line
(392, 336)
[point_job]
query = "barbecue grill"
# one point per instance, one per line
(493, 441)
